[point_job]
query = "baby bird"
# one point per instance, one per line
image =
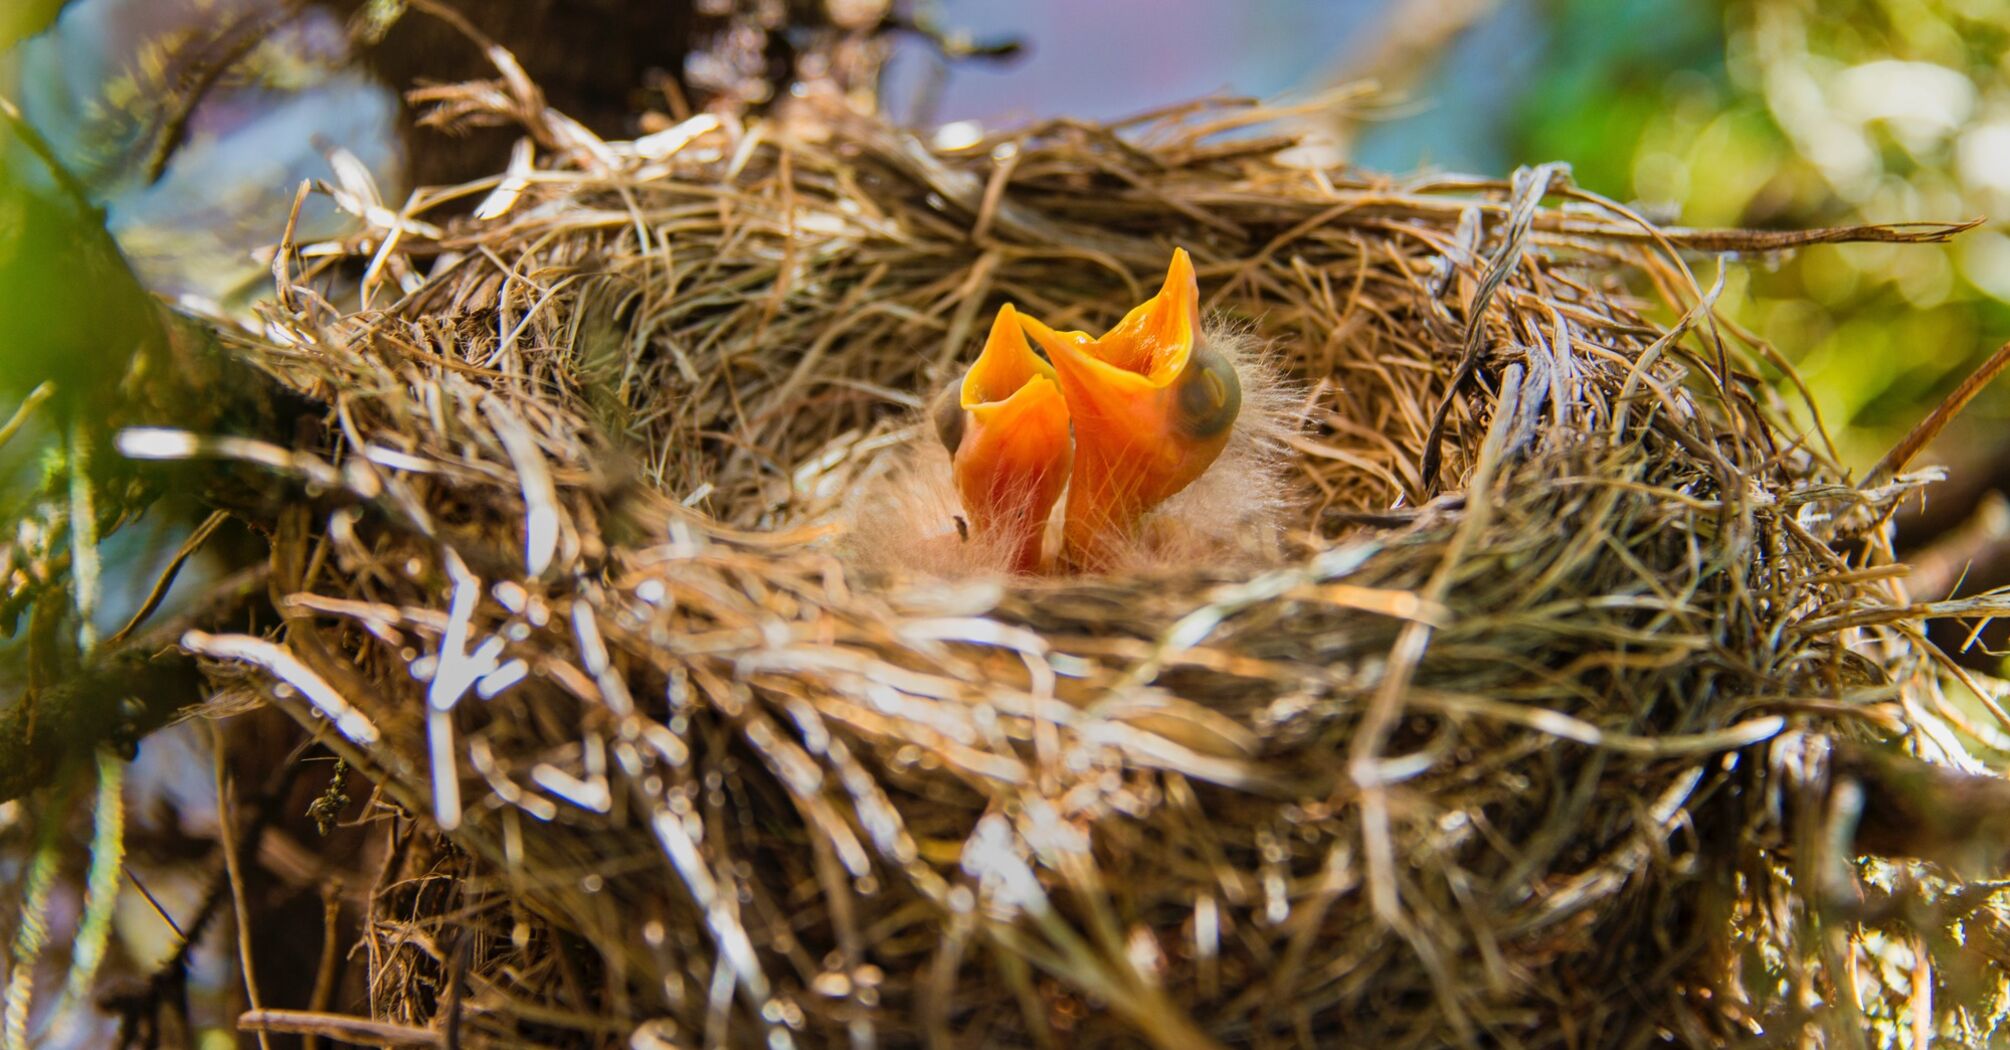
(1163, 439)
(1151, 404)
(1007, 435)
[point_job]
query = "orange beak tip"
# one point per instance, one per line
(1006, 365)
(1181, 291)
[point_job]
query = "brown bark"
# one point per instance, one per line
(592, 59)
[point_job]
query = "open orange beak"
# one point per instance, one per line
(1007, 435)
(1152, 408)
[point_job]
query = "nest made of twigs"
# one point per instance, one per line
(1503, 748)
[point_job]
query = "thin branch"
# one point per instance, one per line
(1937, 420)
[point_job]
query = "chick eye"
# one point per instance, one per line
(1209, 396)
(947, 415)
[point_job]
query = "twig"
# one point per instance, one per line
(170, 977)
(41, 393)
(457, 970)
(225, 819)
(282, 270)
(101, 882)
(1531, 186)
(335, 1026)
(29, 938)
(90, 706)
(166, 579)
(85, 568)
(1785, 240)
(160, 911)
(1937, 420)
(39, 146)
(249, 32)
(324, 971)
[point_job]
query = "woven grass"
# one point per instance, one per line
(1521, 738)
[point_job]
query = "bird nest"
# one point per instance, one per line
(1523, 730)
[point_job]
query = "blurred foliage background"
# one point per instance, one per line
(1782, 114)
